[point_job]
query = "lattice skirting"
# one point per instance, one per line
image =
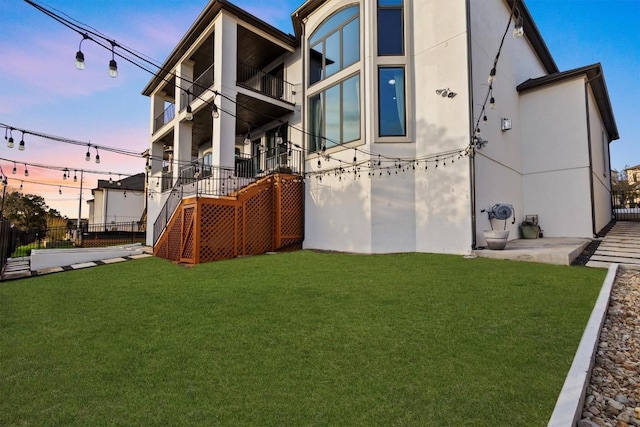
(265, 216)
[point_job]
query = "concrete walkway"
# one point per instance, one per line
(20, 268)
(620, 245)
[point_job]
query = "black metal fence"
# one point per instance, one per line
(16, 243)
(626, 205)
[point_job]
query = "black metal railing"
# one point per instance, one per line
(15, 243)
(202, 83)
(165, 117)
(200, 179)
(267, 84)
(626, 205)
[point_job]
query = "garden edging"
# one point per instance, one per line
(571, 399)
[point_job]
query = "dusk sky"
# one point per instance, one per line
(41, 89)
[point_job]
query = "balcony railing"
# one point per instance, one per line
(202, 83)
(267, 84)
(165, 117)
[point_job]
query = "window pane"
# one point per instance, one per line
(391, 102)
(351, 109)
(334, 22)
(316, 123)
(332, 54)
(332, 106)
(351, 43)
(389, 2)
(390, 32)
(315, 64)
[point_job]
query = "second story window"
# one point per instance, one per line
(335, 44)
(390, 28)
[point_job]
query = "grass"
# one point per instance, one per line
(295, 339)
(25, 250)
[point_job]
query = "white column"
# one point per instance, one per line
(182, 138)
(184, 80)
(225, 65)
(157, 107)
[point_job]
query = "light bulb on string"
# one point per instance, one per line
(214, 111)
(518, 30)
(113, 65)
(80, 65)
(75, 176)
(189, 115)
(60, 190)
(87, 157)
(10, 141)
(97, 156)
(15, 169)
(492, 75)
(64, 175)
(26, 171)
(21, 145)
(492, 102)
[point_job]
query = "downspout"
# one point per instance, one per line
(303, 103)
(591, 189)
(472, 157)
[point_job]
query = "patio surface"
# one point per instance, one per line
(547, 250)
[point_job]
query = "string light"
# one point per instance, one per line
(60, 190)
(15, 169)
(10, 141)
(80, 65)
(214, 111)
(113, 65)
(87, 157)
(21, 145)
(26, 171)
(97, 156)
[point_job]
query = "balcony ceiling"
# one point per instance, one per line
(256, 51)
(256, 112)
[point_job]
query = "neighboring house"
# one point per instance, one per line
(117, 201)
(381, 99)
(633, 175)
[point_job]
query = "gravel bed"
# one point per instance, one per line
(613, 395)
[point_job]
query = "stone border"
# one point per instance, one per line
(570, 402)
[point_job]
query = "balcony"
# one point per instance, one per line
(270, 85)
(200, 85)
(165, 117)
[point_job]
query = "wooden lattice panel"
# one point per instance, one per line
(259, 227)
(174, 236)
(291, 213)
(188, 237)
(263, 217)
(217, 231)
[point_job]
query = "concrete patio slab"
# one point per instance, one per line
(547, 250)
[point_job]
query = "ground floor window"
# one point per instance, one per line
(391, 102)
(334, 115)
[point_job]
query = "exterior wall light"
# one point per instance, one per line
(505, 124)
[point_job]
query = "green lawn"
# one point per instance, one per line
(294, 339)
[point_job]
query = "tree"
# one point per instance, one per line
(27, 211)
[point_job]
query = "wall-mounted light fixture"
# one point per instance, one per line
(505, 124)
(446, 93)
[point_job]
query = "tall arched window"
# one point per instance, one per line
(334, 107)
(335, 44)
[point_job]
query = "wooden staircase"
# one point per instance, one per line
(265, 216)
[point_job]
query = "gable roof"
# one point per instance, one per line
(203, 20)
(595, 77)
(131, 183)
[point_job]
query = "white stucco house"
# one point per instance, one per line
(401, 121)
(115, 202)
